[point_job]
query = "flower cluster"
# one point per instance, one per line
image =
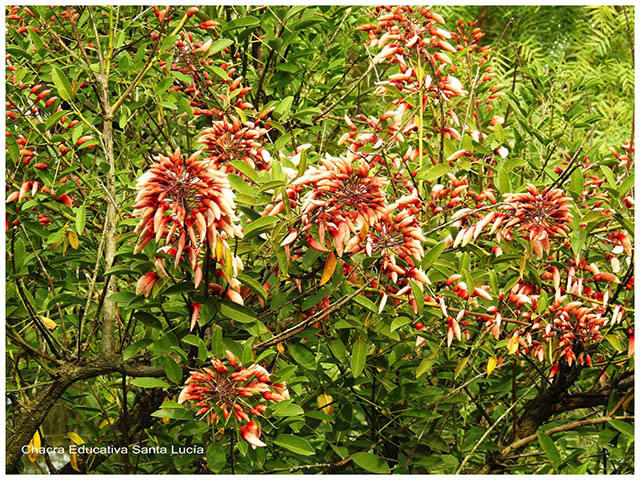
(228, 140)
(412, 39)
(540, 215)
(342, 199)
(232, 390)
(573, 316)
(187, 203)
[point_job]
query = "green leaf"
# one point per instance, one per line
(286, 408)
(417, 295)
(219, 45)
(62, 83)
(303, 356)
(425, 365)
(337, 348)
(499, 132)
(239, 185)
(216, 457)
(81, 217)
(149, 382)
(219, 72)
(192, 340)
(550, 449)
(433, 253)
(174, 413)
(366, 303)
(135, 347)
(461, 364)
(623, 427)
(237, 312)
(173, 370)
(294, 444)
(149, 320)
(370, 462)
(243, 22)
(577, 182)
(358, 356)
(253, 284)
(181, 287)
(217, 346)
(123, 298)
(283, 108)
(503, 182)
(246, 169)
(611, 179)
(12, 148)
(259, 226)
(430, 173)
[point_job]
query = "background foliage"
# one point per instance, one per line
(373, 387)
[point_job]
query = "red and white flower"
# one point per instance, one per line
(229, 390)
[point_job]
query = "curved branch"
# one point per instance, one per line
(34, 413)
(562, 428)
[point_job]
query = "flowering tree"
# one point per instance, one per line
(317, 239)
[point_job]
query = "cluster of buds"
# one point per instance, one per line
(397, 235)
(31, 188)
(412, 38)
(210, 94)
(539, 215)
(189, 204)
(401, 33)
(226, 391)
(343, 199)
(624, 158)
(573, 320)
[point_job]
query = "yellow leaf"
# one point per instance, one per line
(491, 365)
(219, 249)
(364, 230)
(166, 399)
(523, 263)
(512, 346)
(73, 457)
(75, 438)
(73, 460)
(73, 239)
(57, 244)
(228, 262)
(280, 348)
(50, 324)
(34, 446)
(325, 404)
(329, 268)
(106, 421)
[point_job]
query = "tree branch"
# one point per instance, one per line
(563, 428)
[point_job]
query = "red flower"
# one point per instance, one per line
(145, 283)
(251, 433)
(540, 214)
(194, 315)
(231, 140)
(233, 391)
(342, 200)
(187, 203)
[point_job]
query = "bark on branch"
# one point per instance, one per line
(36, 411)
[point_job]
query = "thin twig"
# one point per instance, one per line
(308, 321)
(486, 434)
